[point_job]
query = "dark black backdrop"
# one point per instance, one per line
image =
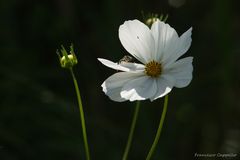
(39, 116)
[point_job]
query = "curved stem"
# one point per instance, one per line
(159, 129)
(130, 136)
(81, 115)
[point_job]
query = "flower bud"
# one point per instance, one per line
(67, 60)
(151, 18)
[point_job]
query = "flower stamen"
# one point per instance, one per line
(153, 69)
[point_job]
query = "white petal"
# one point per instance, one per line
(122, 66)
(139, 89)
(185, 43)
(181, 70)
(133, 66)
(181, 47)
(137, 39)
(113, 85)
(166, 39)
(164, 86)
(112, 65)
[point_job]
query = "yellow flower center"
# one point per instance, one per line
(153, 69)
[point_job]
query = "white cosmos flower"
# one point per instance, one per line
(158, 49)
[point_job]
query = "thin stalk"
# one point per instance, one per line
(81, 114)
(130, 136)
(159, 129)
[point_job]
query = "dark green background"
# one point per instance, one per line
(39, 118)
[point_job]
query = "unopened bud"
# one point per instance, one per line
(151, 18)
(67, 60)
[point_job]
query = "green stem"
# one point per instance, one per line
(130, 136)
(81, 115)
(159, 128)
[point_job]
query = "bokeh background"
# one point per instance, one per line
(39, 117)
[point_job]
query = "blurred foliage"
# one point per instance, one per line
(39, 116)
